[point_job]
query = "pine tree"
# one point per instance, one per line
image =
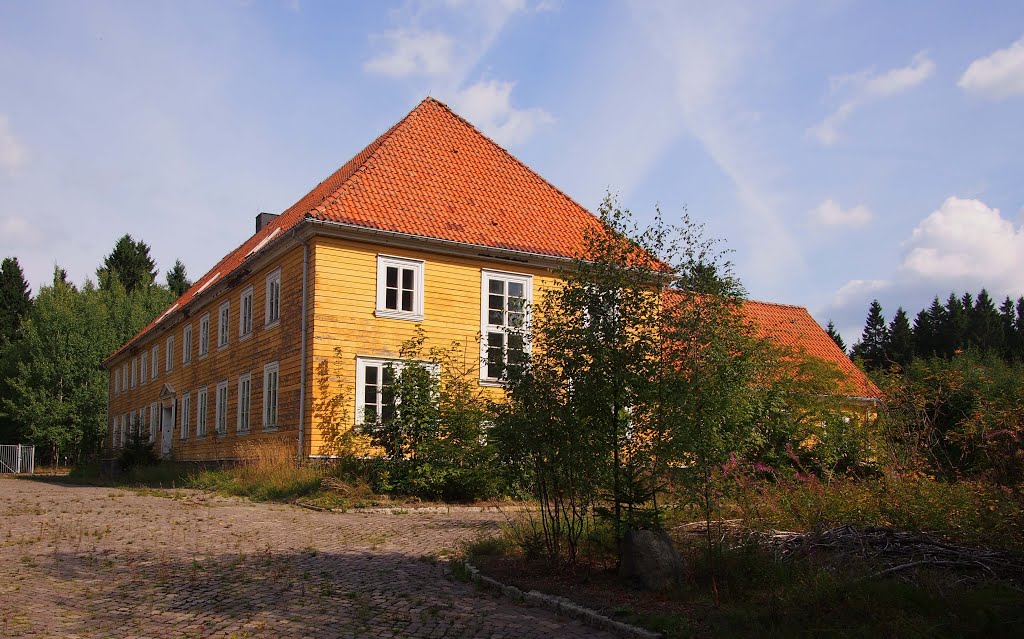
(836, 337)
(130, 263)
(177, 279)
(15, 299)
(872, 344)
(900, 343)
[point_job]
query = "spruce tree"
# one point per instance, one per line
(15, 299)
(871, 347)
(953, 330)
(177, 279)
(900, 343)
(836, 337)
(130, 263)
(1007, 314)
(985, 330)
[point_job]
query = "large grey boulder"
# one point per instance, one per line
(649, 561)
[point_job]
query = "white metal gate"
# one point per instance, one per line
(15, 458)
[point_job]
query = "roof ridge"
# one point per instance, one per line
(776, 304)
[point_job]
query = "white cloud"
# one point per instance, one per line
(413, 52)
(966, 241)
(997, 75)
(829, 213)
(12, 153)
(865, 87)
(964, 245)
(488, 105)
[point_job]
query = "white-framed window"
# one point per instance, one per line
(153, 422)
(135, 371)
(272, 303)
(201, 412)
(399, 288)
(505, 300)
(186, 344)
(245, 314)
(375, 378)
(133, 423)
(143, 366)
(375, 399)
(113, 432)
(244, 402)
(155, 360)
(204, 335)
(223, 317)
(117, 381)
(271, 379)
(221, 412)
(169, 354)
(186, 413)
(124, 428)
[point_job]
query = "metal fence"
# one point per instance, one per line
(15, 458)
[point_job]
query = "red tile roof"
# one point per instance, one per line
(793, 327)
(431, 175)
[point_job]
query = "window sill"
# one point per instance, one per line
(492, 383)
(399, 315)
(272, 324)
(242, 338)
(222, 347)
(270, 429)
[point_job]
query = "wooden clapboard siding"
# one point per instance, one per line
(344, 301)
(277, 343)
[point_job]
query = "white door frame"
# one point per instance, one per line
(168, 409)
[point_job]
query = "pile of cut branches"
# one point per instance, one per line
(891, 552)
(895, 551)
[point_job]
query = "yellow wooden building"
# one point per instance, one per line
(431, 226)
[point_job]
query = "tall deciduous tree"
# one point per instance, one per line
(177, 279)
(130, 263)
(59, 390)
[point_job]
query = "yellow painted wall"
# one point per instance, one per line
(280, 342)
(344, 301)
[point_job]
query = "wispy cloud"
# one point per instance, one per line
(864, 87)
(710, 53)
(488, 105)
(998, 75)
(830, 213)
(409, 51)
(450, 56)
(12, 152)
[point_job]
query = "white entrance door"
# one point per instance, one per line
(166, 430)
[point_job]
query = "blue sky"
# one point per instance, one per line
(844, 150)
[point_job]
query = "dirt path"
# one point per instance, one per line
(98, 562)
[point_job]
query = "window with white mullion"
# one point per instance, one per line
(143, 366)
(245, 313)
(186, 344)
(244, 402)
(271, 380)
(221, 424)
(506, 298)
(186, 413)
(204, 335)
(223, 318)
(272, 301)
(399, 288)
(201, 411)
(376, 397)
(155, 361)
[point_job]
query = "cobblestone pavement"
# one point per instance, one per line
(99, 562)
